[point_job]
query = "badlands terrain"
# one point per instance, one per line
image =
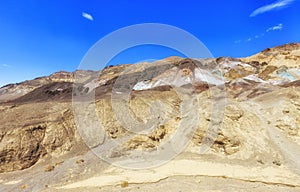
(178, 124)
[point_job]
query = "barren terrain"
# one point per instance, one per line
(178, 124)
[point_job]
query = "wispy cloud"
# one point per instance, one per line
(276, 27)
(274, 6)
(87, 16)
(5, 66)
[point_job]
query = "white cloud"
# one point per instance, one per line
(277, 5)
(87, 16)
(276, 27)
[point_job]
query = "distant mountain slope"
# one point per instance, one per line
(288, 55)
(276, 65)
(14, 91)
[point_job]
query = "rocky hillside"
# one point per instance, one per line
(14, 91)
(288, 55)
(243, 115)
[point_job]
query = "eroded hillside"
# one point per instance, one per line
(245, 111)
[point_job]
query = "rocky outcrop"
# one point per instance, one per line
(21, 148)
(33, 138)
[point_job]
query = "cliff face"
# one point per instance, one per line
(259, 123)
(32, 131)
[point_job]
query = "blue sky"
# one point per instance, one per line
(39, 37)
